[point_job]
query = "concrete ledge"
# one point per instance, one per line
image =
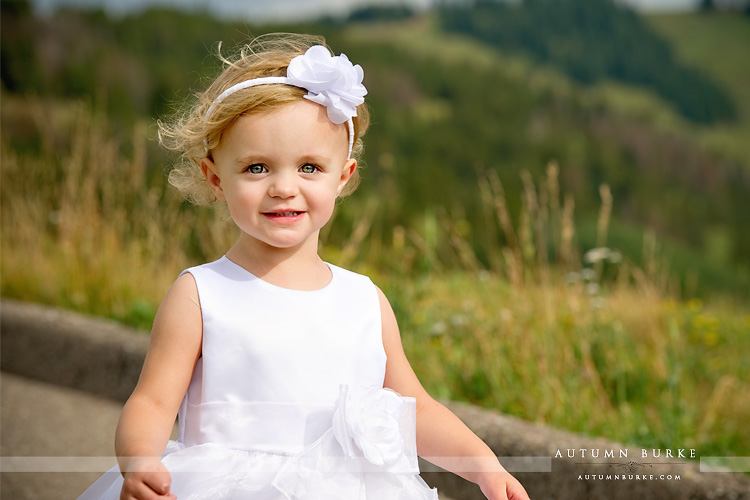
(104, 358)
(58, 346)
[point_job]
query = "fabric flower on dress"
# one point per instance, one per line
(332, 81)
(368, 418)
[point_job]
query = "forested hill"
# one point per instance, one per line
(447, 102)
(593, 40)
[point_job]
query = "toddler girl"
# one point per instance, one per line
(287, 373)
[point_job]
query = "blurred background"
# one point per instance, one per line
(554, 196)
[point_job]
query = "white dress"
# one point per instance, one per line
(287, 400)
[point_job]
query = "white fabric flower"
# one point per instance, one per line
(332, 81)
(368, 418)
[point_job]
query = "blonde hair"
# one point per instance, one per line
(194, 135)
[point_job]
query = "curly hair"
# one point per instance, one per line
(191, 134)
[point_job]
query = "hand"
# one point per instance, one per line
(146, 479)
(502, 486)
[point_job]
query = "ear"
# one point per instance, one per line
(211, 172)
(349, 167)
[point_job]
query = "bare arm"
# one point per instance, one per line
(149, 414)
(442, 438)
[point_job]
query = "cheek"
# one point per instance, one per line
(241, 199)
(327, 207)
(326, 202)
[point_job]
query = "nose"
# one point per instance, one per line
(283, 185)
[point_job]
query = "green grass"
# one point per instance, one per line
(624, 363)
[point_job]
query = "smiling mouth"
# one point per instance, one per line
(283, 214)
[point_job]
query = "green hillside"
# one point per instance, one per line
(718, 43)
(592, 40)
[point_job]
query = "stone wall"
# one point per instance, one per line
(104, 358)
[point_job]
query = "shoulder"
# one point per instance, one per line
(184, 286)
(181, 305)
(388, 318)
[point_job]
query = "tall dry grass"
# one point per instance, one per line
(88, 223)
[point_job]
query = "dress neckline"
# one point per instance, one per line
(277, 287)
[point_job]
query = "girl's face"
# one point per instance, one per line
(280, 173)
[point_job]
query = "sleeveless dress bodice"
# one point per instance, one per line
(293, 349)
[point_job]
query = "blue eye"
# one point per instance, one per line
(308, 168)
(256, 168)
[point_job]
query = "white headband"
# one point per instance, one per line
(331, 81)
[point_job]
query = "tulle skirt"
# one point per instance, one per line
(214, 472)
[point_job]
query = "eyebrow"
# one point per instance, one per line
(261, 158)
(251, 158)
